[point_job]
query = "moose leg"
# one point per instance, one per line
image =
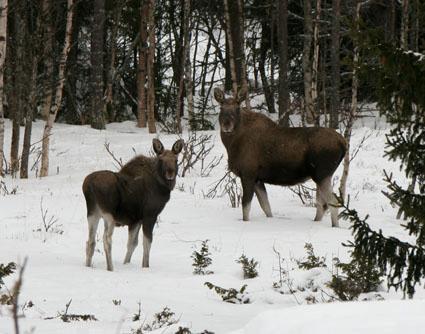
(107, 240)
(93, 221)
(248, 193)
(147, 241)
(321, 205)
(261, 193)
(133, 240)
(325, 187)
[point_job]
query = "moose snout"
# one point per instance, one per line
(170, 175)
(227, 127)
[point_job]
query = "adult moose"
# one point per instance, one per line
(259, 151)
(134, 196)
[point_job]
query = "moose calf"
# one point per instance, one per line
(134, 196)
(259, 151)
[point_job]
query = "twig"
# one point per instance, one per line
(15, 296)
(118, 161)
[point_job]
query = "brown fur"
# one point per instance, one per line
(259, 151)
(134, 196)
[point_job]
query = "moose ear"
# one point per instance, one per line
(157, 146)
(218, 95)
(241, 96)
(178, 146)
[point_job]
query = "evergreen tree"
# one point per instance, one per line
(400, 87)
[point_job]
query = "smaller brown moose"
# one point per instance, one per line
(134, 196)
(259, 151)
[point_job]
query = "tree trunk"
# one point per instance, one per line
(188, 66)
(404, 38)
(30, 106)
(18, 84)
(283, 99)
(3, 39)
(335, 64)
(110, 111)
(241, 53)
(315, 65)
(307, 65)
(58, 93)
(48, 60)
(73, 109)
(230, 48)
(141, 78)
(353, 111)
(268, 93)
(150, 68)
(180, 57)
(96, 59)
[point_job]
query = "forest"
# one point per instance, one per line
(83, 62)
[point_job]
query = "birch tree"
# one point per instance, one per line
(141, 66)
(188, 66)
(335, 64)
(306, 61)
(15, 96)
(283, 99)
(58, 92)
(230, 48)
(3, 39)
(353, 108)
(150, 67)
(183, 68)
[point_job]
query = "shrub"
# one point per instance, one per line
(6, 270)
(312, 260)
(231, 295)
(358, 276)
(249, 267)
(201, 260)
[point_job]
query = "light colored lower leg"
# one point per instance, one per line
(334, 214)
(146, 250)
(245, 211)
(330, 199)
(133, 240)
(107, 240)
(320, 203)
(263, 200)
(93, 222)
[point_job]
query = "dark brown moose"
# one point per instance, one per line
(134, 196)
(259, 151)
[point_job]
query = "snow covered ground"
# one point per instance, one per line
(55, 273)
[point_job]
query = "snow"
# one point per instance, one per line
(55, 273)
(391, 317)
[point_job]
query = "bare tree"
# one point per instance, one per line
(283, 63)
(48, 58)
(353, 109)
(184, 70)
(109, 90)
(16, 93)
(44, 171)
(96, 60)
(188, 66)
(150, 69)
(315, 64)
(307, 64)
(141, 77)
(335, 64)
(230, 48)
(404, 38)
(3, 39)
